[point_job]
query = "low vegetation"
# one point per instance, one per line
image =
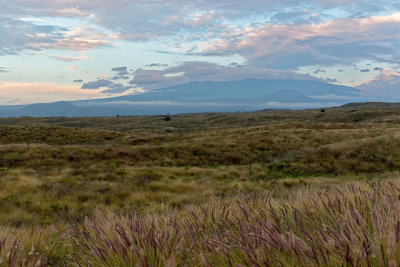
(305, 188)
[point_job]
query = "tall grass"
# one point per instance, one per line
(354, 225)
(37, 247)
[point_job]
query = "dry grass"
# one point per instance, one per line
(265, 189)
(348, 224)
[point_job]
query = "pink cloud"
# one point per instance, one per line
(69, 58)
(201, 19)
(271, 42)
(42, 92)
(384, 87)
(70, 12)
(21, 35)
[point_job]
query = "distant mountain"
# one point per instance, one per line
(249, 90)
(51, 109)
(243, 95)
(54, 109)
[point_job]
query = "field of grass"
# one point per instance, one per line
(307, 188)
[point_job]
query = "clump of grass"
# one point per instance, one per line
(30, 248)
(127, 241)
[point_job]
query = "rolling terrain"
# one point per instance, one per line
(274, 187)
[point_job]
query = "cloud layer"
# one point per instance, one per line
(388, 83)
(148, 78)
(289, 46)
(269, 39)
(17, 35)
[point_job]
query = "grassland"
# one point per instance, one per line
(308, 188)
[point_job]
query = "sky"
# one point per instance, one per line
(82, 49)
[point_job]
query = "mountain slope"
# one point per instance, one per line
(244, 95)
(249, 90)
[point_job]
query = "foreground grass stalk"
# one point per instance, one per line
(354, 225)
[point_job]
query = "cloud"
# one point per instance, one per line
(18, 35)
(82, 38)
(333, 97)
(235, 64)
(283, 34)
(97, 84)
(205, 71)
(148, 79)
(121, 72)
(116, 88)
(191, 50)
(78, 81)
(156, 65)
(73, 68)
(78, 8)
(330, 42)
(273, 39)
(42, 92)
(69, 58)
(119, 69)
(297, 16)
(304, 105)
(364, 70)
(180, 18)
(120, 77)
(3, 70)
(385, 87)
(317, 71)
(201, 19)
(70, 12)
(107, 86)
(330, 80)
